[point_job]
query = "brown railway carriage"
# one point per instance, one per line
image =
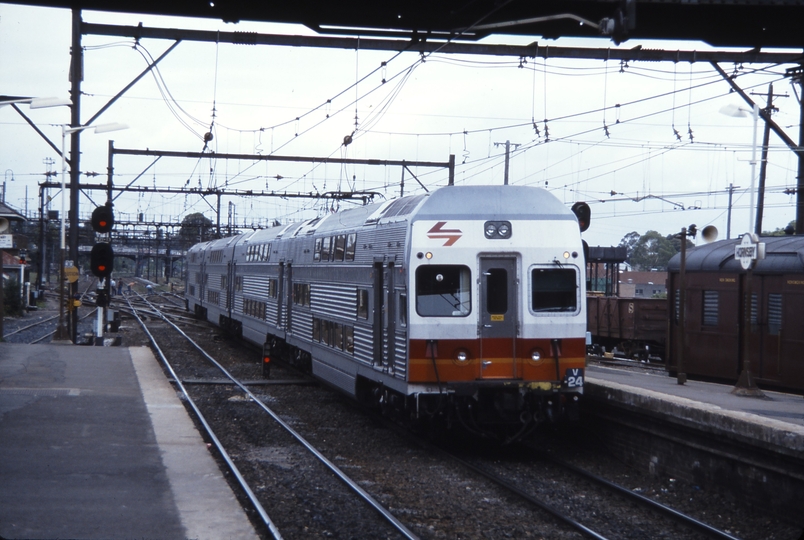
(714, 314)
(635, 326)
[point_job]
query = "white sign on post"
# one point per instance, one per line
(749, 250)
(6, 241)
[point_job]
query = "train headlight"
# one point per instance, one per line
(462, 357)
(491, 230)
(504, 230)
(536, 356)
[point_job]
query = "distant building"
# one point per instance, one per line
(643, 284)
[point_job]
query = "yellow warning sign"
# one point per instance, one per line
(71, 273)
(497, 318)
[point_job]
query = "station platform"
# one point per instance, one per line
(94, 443)
(774, 422)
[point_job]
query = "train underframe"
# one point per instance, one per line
(507, 410)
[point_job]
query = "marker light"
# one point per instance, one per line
(566, 254)
(461, 356)
(428, 255)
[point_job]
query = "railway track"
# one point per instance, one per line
(432, 496)
(254, 501)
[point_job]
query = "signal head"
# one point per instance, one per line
(583, 213)
(101, 260)
(102, 219)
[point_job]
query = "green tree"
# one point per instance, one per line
(651, 250)
(195, 228)
(781, 232)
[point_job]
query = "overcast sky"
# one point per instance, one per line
(612, 127)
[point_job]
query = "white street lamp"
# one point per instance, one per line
(742, 112)
(61, 331)
(38, 103)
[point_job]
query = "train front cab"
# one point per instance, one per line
(498, 335)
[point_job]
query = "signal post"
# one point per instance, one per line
(101, 262)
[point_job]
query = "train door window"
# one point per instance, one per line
(351, 242)
(340, 248)
(553, 289)
(238, 283)
(317, 251)
(774, 314)
(443, 291)
(403, 309)
(224, 282)
(326, 247)
(497, 291)
(710, 308)
(362, 303)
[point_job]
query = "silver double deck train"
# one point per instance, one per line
(464, 305)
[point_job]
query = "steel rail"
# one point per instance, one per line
(684, 518)
(580, 527)
(398, 525)
(232, 467)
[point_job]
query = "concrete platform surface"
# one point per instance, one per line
(775, 420)
(94, 443)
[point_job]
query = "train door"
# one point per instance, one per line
(389, 324)
(202, 283)
(231, 274)
(499, 310)
(384, 323)
(280, 294)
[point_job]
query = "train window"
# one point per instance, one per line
(553, 289)
(301, 294)
(272, 288)
(224, 282)
(710, 308)
(349, 339)
(238, 283)
(340, 248)
(443, 290)
(337, 335)
(351, 242)
(316, 329)
(317, 252)
(192, 290)
(753, 312)
(403, 309)
(774, 314)
(497, 291)
(362, 303)
(326, 247)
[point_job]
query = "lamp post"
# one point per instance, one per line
(741, 112)
(62, 332)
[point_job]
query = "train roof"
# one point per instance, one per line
(450, 202)
(489, 202)
(783, 255)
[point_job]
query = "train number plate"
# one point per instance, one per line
(574, 378)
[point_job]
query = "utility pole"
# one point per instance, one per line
(763, 164)
(507, 145)
(731, 189)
